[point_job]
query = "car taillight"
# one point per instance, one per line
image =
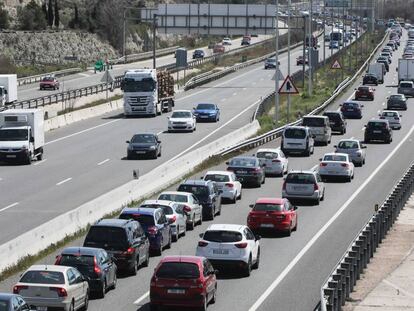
(153, 281)
(241, 245)
(256, 170)
(202, 243)
(187, 209)
(96, 268)
(396, 118)
(18, 288)
(197, 284)
(173, 218)
(343, 109)
(230, 169)
(58, 259)
(152, 230)
(229, 185)
(60, 291)
(323, 164)
(315, 186)
(284, 186)
(344, 165)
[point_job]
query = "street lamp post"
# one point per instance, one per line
(277, 65)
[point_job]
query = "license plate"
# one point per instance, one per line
(266, 225)
(331, 172)
(377, 132)
(41, 308)
(205, 117)
(242, 172)
(10, 156)
(299, 188)
(139, 152)
(176, 291)
(221, 251)
(332, 123)
(350, 109)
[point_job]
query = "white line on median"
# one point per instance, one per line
(140, 299)
(315, 238)
(103, 162)
(63, 181)
(9, 206)
(40, 162)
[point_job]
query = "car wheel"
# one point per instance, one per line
(147, 259)
(200, 222)
(72, 306)
(214, 298)
(158, 252)
(257, 263)
(234, 199)
(323, 196)
(114, 282)
(316, 201)
(169, 241)
(177, 235)
(204, 306)
(134, 269)
(264, 180)
(289, 231)
(248, 268)
(240, 195)
(296, 225)
(192, 224)
(219, 211)
(184, 231)
(307, 153)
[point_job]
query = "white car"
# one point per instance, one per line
(232, 246)
(182, 120)
(274, 160)
(227, 41)
(303, 185)
(336, 165)
(191, 206)
(57, 287)
(227, 183)
(354, 149)
(174, 213)
(393, 117)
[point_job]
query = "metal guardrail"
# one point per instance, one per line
(343, 278)
(275, 133)
(144, 55)
(37, 78)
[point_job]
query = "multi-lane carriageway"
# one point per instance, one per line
(85, 160)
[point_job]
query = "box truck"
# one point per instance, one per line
(22, 136)
(378, 70)
(405, 70)
(8, 89)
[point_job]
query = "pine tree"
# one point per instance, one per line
(50, 14)
(57, 18)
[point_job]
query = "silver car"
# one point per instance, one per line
(393, 117)
(303, 185)
(354, 149)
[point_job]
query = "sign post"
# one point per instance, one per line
(336, 65)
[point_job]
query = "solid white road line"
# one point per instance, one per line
(140, 299)
(9, 206)
(213, 132)
(103, 162)
(315, 238)
(40, 162)
(63, 181)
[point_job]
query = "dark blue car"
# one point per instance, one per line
(155, 224)
(352, 110)
(207, 112)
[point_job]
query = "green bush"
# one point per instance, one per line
(31, 17)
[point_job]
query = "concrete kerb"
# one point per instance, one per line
(72, 221)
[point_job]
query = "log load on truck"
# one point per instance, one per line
(147, 92)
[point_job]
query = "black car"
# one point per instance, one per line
(144, 145)
(382, 60)
(370, 79)
(248, 170)
(351, 110)
(397, 101)
(123, 239)
(245, 41)
(13, 302)
(336, 121)
(208, 195)
(378, 130)
(198, 54)
(94, 263)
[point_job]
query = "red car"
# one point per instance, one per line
(183, 281)
(364, 92)
(219, 48)
(273, 214)
(49, 82)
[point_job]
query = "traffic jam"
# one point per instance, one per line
(123, 246)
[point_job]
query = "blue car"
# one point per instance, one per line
(207, 112)
(155, 224)
(352, 110)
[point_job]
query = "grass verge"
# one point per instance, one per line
(92, 104)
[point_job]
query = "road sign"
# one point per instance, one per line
(279, 75)
(107, 77)
(336, 65)
(288, 87)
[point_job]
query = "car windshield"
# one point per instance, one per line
(199, 191)
(267, 207)
(13, 135)
(363, 89)
(178, 270)
(334, 157)
(143, 138)
(295, 133)
(243, 162)
(173, 197)
(4, 305)
(348, 145)
(271, 60)
(205, 106)
(313, 122)
(406, 84)
(106, 237)
(48, 79)
(222, 236)
(147, 220)
(43, 277)
(350, 105)
(167, 209)
(217, 177)
(267, 155)
(332, 115)
(377, 125)
(181, 114)
(145, 85)
(396, 97)
(300, 178)
(76, 260)
(389, 114)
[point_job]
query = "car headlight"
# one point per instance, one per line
(152, 148)
(129, 147)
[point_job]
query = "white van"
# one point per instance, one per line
(320, 128)
(297, 139)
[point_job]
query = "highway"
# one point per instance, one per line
(79, 164)
(292, 269)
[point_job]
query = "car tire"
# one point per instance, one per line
(192, 224)
(296, 225)
(323, 196)
(134, 269)
(147, 259)
(114, 282)
(200, 222)
(102, 291)
(234, 199)
(257, 263)
(153, 307)
(219, 211)
(212, 214)
(168, 246)
(72, 306)
(205, 304)
(307, 153)
(348, 178)
(316, 201)
(289, 231)
(248, 268)
(158, 251)
(240, 195)
(177, 235)
(185, 231)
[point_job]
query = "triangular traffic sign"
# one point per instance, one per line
(288, 87)
(336, 65)
(279, 75)
(107, 77)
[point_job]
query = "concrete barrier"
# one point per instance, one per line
(39, 238)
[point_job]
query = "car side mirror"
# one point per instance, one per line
(215, 271)
(220, 191)
(364, 147)
(114, 259)
(227, 163)
(32, 139)
(401, 115)
(263, 165)
(295, 207)
(320, 159)
(362, 106)
(201, 235)
(170, 221)
(251, 205)
(253, 155)
(313, 136)
(335, 146)
(340, 105)
(168, 117)
(257, 237)
(128, 142)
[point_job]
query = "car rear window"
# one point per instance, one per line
(377, 125)
(331, 157)
(106, 237)
(406, 84)
(217, 177)
(142, 219)
(350, 105)
(173, 197)
(243, 162)
(264, 207)
(389, 114)
(222, 236)
(295, 133)
(363, 88)
(205, 106)
(267, 155)
(43, 277)
(143, 138)
(313, 122)
(300, 178)
(348, 145)
(396, 97)
(178, 270)
(199, 191)
(332, 115)
(167, 209)
(76, 261)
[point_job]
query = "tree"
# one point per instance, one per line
(50, 13)
(110, 21)
(57, 18)
(6, 66)
(4, 17)
(31, 17)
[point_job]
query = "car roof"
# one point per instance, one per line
(393, 111)
(351, 102)
(349, 139)
(152, 134)
(314, 117)
(7, 295)
(141, 210)
(88, 251)
(333, 112)
(53, 268)
(159, 202)
(187, 259)
(206, 104)
(226, 227)
(301, 172)
(377, 120)
(114, 222)
(177, 193)
(270, 200)
(268, 150)
(335, 153)
(182, 110)
(196, 182)
(244, 157)
(298, 127)
(219, 173)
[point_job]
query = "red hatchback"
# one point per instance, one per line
(273, 214)
(364, 92)
(185, 281)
